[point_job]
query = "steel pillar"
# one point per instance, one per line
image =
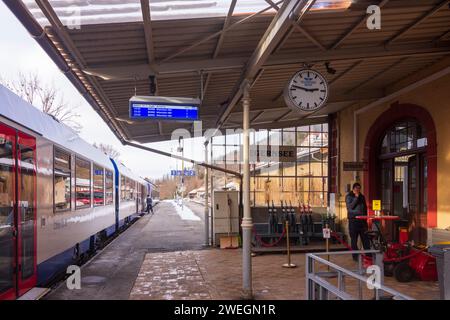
(247, 223)
(206, 197)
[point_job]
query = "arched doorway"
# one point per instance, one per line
(402, 167)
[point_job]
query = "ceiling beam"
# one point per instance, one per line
(148, 33)
(296, 26)
(377, 75)
(269, 41)
(442, 36)
(146, 16)
(216, 34)
(284, 124)
(355, 27)
(308, 35)
(220, 42)
(142, 71)
(259, 114)
(418, 21)
(345, 72)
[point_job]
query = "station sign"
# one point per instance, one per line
(185, 173)
(164, 108)
(355, 166)
(272, 153)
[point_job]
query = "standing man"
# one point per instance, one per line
(149, 204)
(357, 206)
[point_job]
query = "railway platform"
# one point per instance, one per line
(161, 257)
(112, 272)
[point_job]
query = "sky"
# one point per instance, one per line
(19, 52)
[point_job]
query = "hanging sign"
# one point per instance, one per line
(186, 172)
(164, 108)
(355, 166)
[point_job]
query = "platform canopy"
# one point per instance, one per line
(109, 48)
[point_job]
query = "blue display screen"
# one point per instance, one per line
(163, 111)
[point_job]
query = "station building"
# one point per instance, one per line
(384, 124)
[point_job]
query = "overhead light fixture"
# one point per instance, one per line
(124, 120)
(331, 5)
(94, 74)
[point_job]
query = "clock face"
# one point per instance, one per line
(307, 91)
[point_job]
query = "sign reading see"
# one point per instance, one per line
(272, 153)
(283, 153)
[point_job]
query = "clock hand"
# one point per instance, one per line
(305, 89)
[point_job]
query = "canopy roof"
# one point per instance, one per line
(220, 45)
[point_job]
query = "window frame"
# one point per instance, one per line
(62, 150)
(112, 187)
(94, 167)
(77, 207)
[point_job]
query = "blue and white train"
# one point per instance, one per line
(60, 197)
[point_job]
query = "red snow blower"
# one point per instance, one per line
(402, 259)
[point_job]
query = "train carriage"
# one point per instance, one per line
(59, 196)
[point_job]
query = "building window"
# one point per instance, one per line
(82, 183)
(99, 190)
(109, 187)
(404, 136)
(304, 180)
(62, 177)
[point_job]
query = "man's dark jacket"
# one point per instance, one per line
(356, 206)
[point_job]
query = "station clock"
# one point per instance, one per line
(307, 91)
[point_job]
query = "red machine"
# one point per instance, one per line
(402, 260)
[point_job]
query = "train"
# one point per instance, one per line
(60, 197)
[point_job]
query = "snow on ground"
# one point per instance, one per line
(183, 211)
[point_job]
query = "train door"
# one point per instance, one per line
(17, 213)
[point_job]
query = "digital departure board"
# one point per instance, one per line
(164, 110)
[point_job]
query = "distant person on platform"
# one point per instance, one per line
(149, 204)
(357, 206)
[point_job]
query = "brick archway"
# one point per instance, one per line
(395, 113)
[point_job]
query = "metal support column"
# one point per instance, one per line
(247, 224)
(206, 197)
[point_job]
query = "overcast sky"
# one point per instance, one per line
(19, 52)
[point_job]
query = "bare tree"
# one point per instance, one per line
(108, 149)
(49, 99)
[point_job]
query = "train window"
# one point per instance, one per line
(62, 176)
(82, 183)
(99, 188)
(123, 188)
(132, 185)
(109, 187)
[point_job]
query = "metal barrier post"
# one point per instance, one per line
(318, 287)
(289, 264)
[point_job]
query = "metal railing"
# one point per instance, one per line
(319, 288)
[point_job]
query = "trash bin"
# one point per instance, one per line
(442, 254)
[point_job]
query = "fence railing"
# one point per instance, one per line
(319, 288)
